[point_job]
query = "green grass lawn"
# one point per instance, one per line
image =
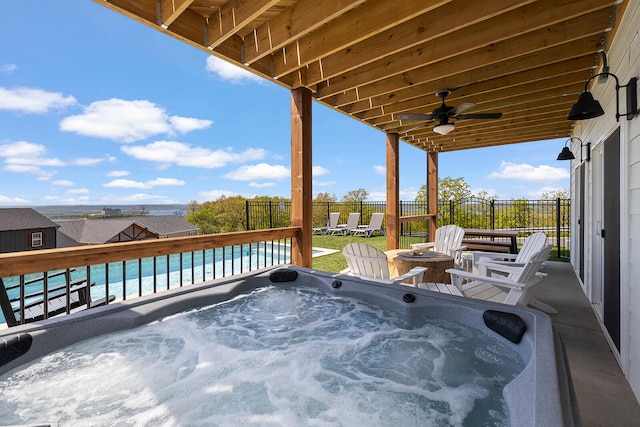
(334, 263)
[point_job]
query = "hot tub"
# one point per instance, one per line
(536, 394)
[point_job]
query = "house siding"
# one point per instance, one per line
(624, 61)
(20, 240)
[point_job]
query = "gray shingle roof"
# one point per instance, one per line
(23, 219)
(97, 231)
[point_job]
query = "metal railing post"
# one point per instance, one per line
(558, 225)
(492, 214)
(246, 213)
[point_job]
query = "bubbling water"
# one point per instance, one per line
(272, 358)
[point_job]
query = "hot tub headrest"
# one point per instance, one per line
(283, 275)
(14, 347)
(509, 325)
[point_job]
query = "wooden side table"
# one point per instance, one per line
(400, 262)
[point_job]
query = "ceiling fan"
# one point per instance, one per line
(443, 113)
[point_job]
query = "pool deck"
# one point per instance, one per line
(603, 394)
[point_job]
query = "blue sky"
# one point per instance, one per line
(98, 109)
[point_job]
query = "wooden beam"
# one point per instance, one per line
(508, 49)
(437, 26)
(232, 16)
(432, 193)
(300, 19)
(405, 97)
(348, 29)
(301, 166)
(171, 10)
(393, 191)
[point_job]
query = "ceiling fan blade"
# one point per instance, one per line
(462, 107)
(414, 128)
(479, 116)
(415, 117)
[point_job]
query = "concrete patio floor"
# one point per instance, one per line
(603, 394)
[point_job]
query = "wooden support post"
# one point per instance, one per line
(393, 191)
(432, 192)
(301, 201)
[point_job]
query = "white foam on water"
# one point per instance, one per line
(275, 358)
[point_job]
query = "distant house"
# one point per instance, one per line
(97, 231)
(110, 211)
(24, 229)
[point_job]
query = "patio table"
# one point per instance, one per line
(401, 261)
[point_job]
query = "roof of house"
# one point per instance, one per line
(23, 219)
(97, 231)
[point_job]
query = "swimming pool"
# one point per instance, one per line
(532, 395)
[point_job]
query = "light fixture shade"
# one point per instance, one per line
(585, 108)
(444, 129)
(565, 154)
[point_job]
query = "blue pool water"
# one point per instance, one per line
(169, 272)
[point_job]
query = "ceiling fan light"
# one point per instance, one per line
(585, 108)
(444, 129)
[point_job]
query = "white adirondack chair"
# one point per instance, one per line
(334, 217)
(530, 246)
(369, 263)
(375, 224)
(489, 263)
(344, 229)
(516, 288)
(448, 241)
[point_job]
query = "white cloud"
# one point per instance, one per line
(166, 182)
(25, 157)
(86, 161)
(158, 182)
(8, 68)
(380, 170)
(7, 199)
(258, 172)
(125, 183)
(180, 154)
(187, 124)
(408, 194)
(21, 149)
(216, 194)
(33, 170)
(319, 171)
(230, 72)
(63, 183)
(537, 193)
(30, 100)
(323, 183)
(528, 173)
(262, 185)
(128, 121)
(116, 174)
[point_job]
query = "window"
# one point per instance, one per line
(36, 239)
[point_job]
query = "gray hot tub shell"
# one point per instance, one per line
(539, 396)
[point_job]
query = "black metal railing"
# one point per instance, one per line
(525, 216)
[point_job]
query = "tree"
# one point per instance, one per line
(448, 189)
(325, 197)
(192, 206)
(358, 195)
(556, 194)
(223, 215)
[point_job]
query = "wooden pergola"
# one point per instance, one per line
(376, 59)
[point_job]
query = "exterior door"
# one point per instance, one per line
(610, 235)
(605, 249)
